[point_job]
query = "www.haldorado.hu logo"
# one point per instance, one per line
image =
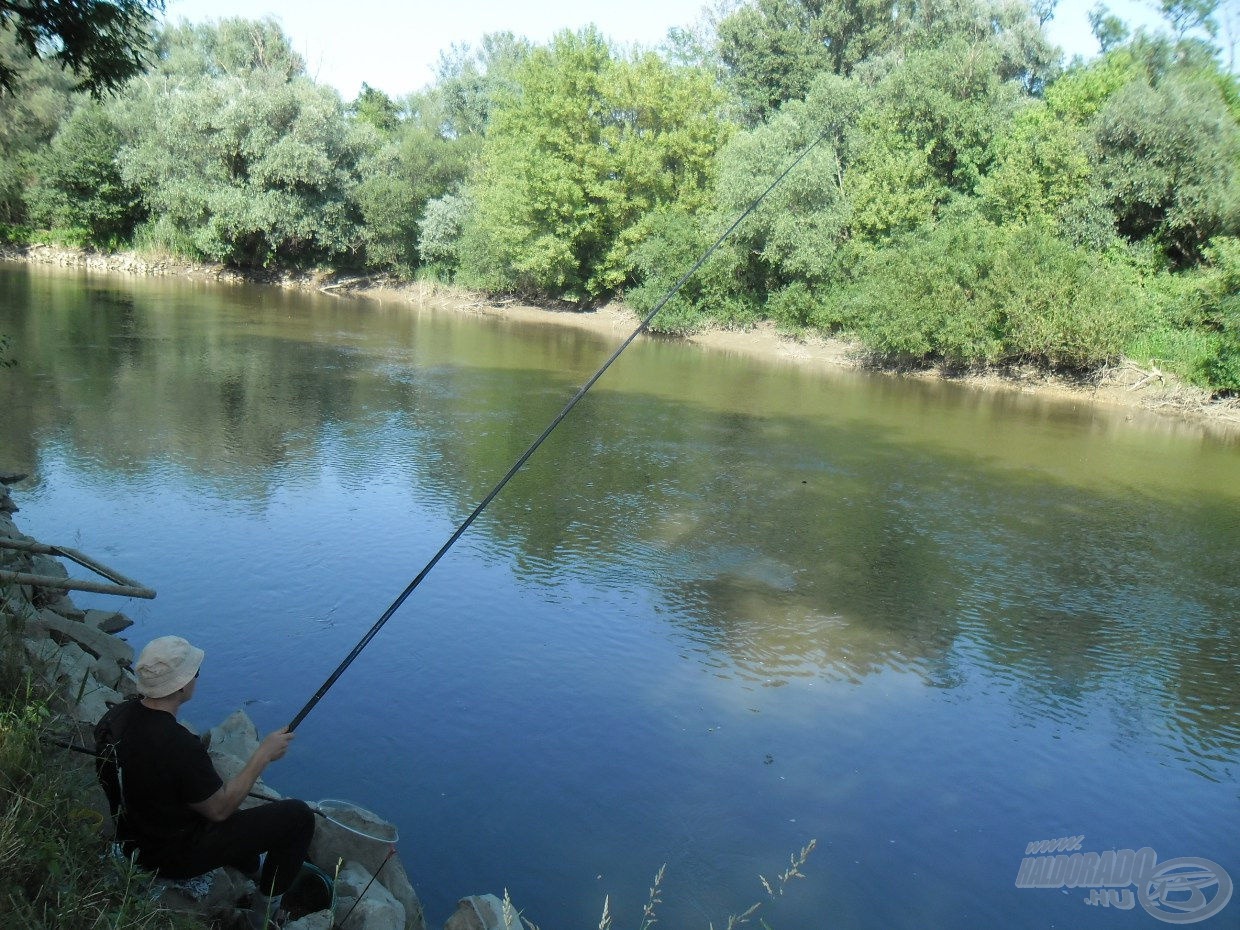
(1177, 891)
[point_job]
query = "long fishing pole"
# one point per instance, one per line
(524, 457)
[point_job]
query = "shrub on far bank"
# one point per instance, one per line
(1197, 332)
(969, 292)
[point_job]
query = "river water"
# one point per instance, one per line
(730, 607)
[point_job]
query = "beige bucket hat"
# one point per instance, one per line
(167, 664)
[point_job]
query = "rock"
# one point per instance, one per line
(333, 842)
(482, 912)
(397, 882)
(107, 621)
(98, 643)
(92, 700)
(320, 920)
(230, 746)
(45, 565)
(12, 477)
(369, 915)
(66, 666)
(127, 685)
(371, 912)
(59, 602)
(108, 672)
(42, 653)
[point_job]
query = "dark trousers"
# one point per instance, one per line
(281, 829)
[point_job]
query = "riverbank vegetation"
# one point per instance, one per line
(973, 201)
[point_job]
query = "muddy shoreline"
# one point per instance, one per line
(1122, 386)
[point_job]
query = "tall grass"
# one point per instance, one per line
(774, 890)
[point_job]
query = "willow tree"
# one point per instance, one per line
(239, 156)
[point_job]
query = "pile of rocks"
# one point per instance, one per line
(79, 654)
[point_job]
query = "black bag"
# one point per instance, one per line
(108, 732)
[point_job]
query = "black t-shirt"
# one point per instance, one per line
(164, 768)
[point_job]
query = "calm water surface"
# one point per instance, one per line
(730, 607)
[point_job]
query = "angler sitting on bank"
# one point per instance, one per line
(172, 810)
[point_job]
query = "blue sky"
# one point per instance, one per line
(394, 46)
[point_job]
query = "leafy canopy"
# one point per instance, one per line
(103, 42)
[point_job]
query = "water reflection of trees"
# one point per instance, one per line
(836, 540)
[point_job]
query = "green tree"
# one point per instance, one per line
(241, 158)
(376, 109)
(1110, 31)
(468, 82)
(103, 42)
(968, 292)
(79, 184)
(439, 233)
(1170, 164)
(1185, 16)
(773, 49)
(576, 158)
(950, 102)
(397, 177)
(28, 120)
(1043, 167)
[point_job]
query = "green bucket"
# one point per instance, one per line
(310, 892)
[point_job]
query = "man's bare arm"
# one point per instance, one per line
(222, 804)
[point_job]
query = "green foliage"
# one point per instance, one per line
(240, 155)
(576, 160)
(794, 234)
(439, 232)
(414, 165)
(890, 186)
(1170, 163)
(14, 235)
(376, 109)
(234, 47)
(1185, 16)
(674, 243)
(470, 82)
(29, 117)
(774, 49)
(950, 102)
(1108, 29)
(1081, 93)
(103, 42)
(969, 292)
(1198, 335)
(1042, 167)
(79, 182)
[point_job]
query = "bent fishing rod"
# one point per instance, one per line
(542, 437)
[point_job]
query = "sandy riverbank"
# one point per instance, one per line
(1122, 386)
